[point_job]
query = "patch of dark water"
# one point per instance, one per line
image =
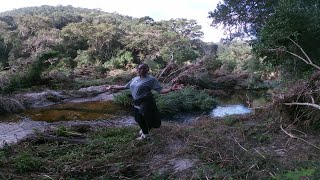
(77, 111)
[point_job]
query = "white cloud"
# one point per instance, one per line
(156, 9)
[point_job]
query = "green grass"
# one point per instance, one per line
(297, 174)
(102, 147)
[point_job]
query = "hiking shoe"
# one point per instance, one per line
(143, 137)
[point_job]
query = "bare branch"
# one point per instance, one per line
(303, 104)
(301, 49)
(240, 145)
(308, 60)
(259, 153)
(295, 137)
(312, 99)
(298, 57)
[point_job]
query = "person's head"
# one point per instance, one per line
(143, 70)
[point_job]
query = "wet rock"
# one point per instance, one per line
(181, 164)
(10, 105)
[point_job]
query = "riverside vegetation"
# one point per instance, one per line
(66, 48)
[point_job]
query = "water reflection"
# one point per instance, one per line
(241, 102)
(77, 111)
(222, 111)
(249, 98)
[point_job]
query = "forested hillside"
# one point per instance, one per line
(39, 44)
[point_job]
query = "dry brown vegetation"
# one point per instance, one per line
(246, 147)
(300, 102)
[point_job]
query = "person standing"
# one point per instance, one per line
(145, 109)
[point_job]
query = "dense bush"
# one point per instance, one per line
(31, 75)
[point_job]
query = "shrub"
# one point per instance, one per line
(187, 99)
(26, 162)
(123, 98)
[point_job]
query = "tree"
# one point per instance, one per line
(242, 17)
(296, 20)
(236, 56)
(62, 19)
(75, 37)
(187, 28)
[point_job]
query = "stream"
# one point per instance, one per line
(101, 111)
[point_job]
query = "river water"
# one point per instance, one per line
(105, 113)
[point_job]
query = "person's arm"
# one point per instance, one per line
(164, 91)
(173, 88)
(115, 87)
(118, 87)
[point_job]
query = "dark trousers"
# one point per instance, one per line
(139, 118)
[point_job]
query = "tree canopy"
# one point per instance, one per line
(242, 17)
(276, 27)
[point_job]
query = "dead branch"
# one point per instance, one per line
(240, 145)
(259, 153)
(295, 137)
(174, 72)
(303, 104)
(307, 60)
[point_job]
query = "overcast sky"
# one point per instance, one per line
(156, 9)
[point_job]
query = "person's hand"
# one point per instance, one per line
(177, 87)
(108, 88)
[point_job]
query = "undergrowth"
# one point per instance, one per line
(215, 149)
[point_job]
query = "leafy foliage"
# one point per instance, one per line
(32, 75)
(236, 55)
(242, 17)
(25, 162)
(92, 41)
(270, 23)
(123, 98)
(298, 20)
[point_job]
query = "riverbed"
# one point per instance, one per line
(101, 111)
